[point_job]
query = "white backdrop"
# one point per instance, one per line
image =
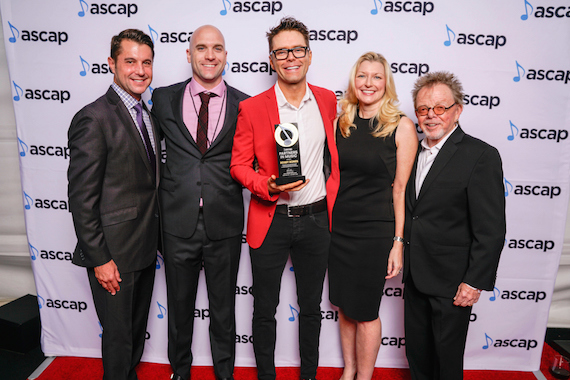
(512, 57)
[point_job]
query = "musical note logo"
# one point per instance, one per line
(508, 187)
(224, 11)
(292, 317)
(162, 310)
(24, 147)
(226, 68)
(159, 260)
(375, 10)
(83, 63)
(29, 201)
(101, 327)
(81, 13)
(14, 37)
(518, 77)
(153, 34)
(487, 341)
(41, 301)
(19, 91)
(526, 5)
(496, 293)
(33, 252)
(448, 42)
(514, 132)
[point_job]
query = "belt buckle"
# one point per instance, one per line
(289, 215)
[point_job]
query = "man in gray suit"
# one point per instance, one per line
(202, 206)
(113, 181)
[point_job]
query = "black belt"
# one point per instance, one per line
(296, 211)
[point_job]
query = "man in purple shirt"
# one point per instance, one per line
(201, 205)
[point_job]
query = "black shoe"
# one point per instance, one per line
(176, 377)
(225, 378)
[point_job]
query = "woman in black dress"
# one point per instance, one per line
(377, 145)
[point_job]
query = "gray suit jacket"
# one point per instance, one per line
(187, 175)
(112, 188)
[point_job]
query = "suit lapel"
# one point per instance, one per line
(411, 188)
(230, 116)
(127, 122)
(177, 101)
(445, 154)
(272, 109)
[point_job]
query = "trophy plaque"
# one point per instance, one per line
(288, 155)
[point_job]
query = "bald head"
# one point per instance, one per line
(207, 55)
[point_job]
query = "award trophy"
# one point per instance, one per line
(288, 155)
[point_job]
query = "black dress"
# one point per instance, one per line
(362, 221)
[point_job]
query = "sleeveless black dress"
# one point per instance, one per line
(362, 221)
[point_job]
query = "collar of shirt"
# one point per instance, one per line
(126, 98)
(282, 100)
(196, 88)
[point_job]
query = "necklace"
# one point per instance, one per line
(219, 116)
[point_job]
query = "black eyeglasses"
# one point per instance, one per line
(298, 52)
(438, 110)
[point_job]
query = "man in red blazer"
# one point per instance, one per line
(289, 218)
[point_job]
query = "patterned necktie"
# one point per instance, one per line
(148, 146)
(202, 132)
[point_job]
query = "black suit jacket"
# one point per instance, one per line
(187, 175)
(455, 229)
(112, 188)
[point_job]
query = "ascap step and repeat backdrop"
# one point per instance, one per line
(512, 56)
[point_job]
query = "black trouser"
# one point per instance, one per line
(123, 318)
(183, 261)
(306, 239)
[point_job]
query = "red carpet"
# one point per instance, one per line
(63, 368)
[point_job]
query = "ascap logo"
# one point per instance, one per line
(333, 35)
(474, 39)
(42, 150)
(35, 94)
(394, 341)
(533, 190)
(29, 202)
(553, 135)
(244, 290)
(79, 306)
(329, 315)
(482, 100)
(402, 6)
(522, 295)
(251, 6)
(169, 37)
(557, 75)
(250, 67)
(393, 292)
(540, 245)
(94, 68)
(107, 9)
(244, 338)
(514, 343)
(410, 68)
(36, 35)
(202, 313)
(545, 12)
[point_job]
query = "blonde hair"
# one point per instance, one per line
(388, 115)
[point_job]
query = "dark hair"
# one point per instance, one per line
(288, 23)
(134, 35)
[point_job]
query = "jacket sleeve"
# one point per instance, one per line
(87, 161)
(243, 155)
(486, 197)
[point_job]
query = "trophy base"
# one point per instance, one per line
(285, 180)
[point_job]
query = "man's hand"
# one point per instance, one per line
(293, 186)
(109, 277)
(466, 295)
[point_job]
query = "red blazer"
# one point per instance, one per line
(254, 140)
